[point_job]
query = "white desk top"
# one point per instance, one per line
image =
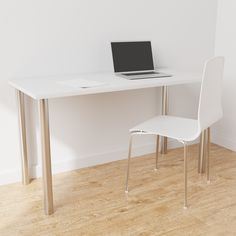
(65, 86)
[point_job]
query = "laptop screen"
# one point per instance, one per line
(132, 56)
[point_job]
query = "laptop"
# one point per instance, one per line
(133, 60)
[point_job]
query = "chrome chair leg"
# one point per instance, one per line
(164, 140)
(157, 152)
(128, 166)
(205, 151)
(208, 154)
(199, 153)
(185, 176)
(202, 151)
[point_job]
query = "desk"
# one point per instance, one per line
(44, 88)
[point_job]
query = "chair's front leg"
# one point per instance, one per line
(164, 111)
(201, 152)
(128, 166)
(185, 175)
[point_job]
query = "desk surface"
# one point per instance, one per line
(55, 86)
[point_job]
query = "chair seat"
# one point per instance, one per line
(179, 128)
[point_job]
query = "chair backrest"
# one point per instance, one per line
(210, 106)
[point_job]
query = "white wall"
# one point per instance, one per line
(225, 130)
(58, 37)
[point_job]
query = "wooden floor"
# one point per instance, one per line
(92, 201)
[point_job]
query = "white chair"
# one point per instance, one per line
(186, 130)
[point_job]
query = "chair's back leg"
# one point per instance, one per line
(185, 176)
(157, 151)
(208, 154)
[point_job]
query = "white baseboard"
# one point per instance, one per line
(14, 175)
(223, 141)
(10, 176)
(92, 160)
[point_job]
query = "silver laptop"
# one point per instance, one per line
(133, 60)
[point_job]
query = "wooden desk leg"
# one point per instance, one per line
(164, 140)
(23, 141)
(46, 156)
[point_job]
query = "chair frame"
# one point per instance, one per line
(205, 139)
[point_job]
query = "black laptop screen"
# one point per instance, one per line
(132, 56)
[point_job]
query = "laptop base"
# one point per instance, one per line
(143, 75)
